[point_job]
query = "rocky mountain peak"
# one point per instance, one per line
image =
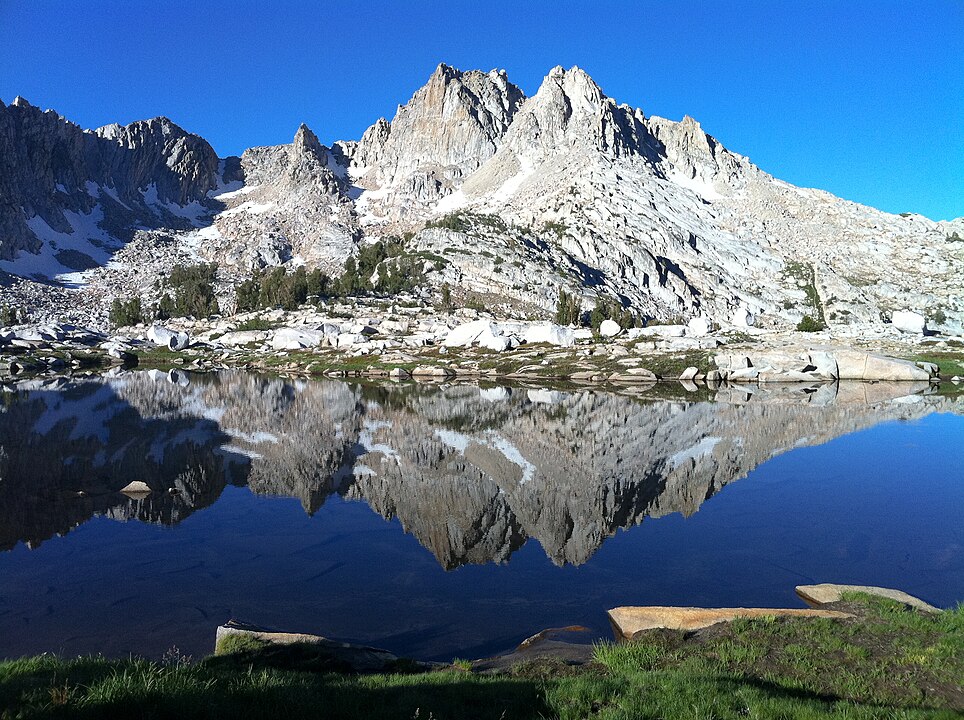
(694, 154)
(447, 130)
(19, 101)
(580, 90)
(306, 142)
(570, 110)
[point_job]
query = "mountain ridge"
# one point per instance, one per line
(592, 197)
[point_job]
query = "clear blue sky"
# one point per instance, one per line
(864, 99)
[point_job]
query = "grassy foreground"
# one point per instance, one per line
(891, 662)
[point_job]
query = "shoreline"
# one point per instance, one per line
(859, 651)
(305, 344)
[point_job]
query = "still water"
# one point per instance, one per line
(452, 520)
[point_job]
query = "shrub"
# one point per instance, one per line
(611, 310)
(255, 324)
(557, 228)
(124, 313)
(193, 292)
(446, 291)
(808, 324)
(475, 303)
(277, 288)
(12, 315)
(464, 222)
(569, 309)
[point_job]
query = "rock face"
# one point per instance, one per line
(506, 197)
(64, 188)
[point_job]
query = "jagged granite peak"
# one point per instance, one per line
(696, 155)
(290, 203)
(307, 142)
(446, 131)
(571, 109)
(181, 165)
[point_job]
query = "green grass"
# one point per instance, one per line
(893, 662)
(238, 643)
(950, 363)
(256, 323)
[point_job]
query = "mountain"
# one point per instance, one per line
(507, 199)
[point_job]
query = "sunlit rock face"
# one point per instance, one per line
(471, 472)
(565, 190)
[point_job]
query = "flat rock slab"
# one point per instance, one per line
(328, 654)
(571, 645)
(627, 621)
(826, 593)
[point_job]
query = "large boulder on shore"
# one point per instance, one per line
(549, 333)
(826, 593)
(160, 335)
(856, 365)
(609, 328)
(467, 333)
(309, 651)
(698, 327)
(909, 322)
(628, 621)
(287, 338)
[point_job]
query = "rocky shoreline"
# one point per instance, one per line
(570, 645)
(421, 343)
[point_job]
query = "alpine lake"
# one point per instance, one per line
(444, 520)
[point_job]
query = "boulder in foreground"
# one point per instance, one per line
(826, 593)
(627, 621)
(234, 637)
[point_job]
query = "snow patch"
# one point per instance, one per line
(701, 449)
(250, 207)
(702, 188)
(458, 441)
(233, 189)
(255, 438)
(194, 212)
(510, 186)
(452, 201)
(87, 238)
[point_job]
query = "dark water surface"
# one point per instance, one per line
(442, 521)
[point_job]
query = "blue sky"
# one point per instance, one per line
(864, 99)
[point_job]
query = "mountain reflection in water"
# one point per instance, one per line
(471, 472)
